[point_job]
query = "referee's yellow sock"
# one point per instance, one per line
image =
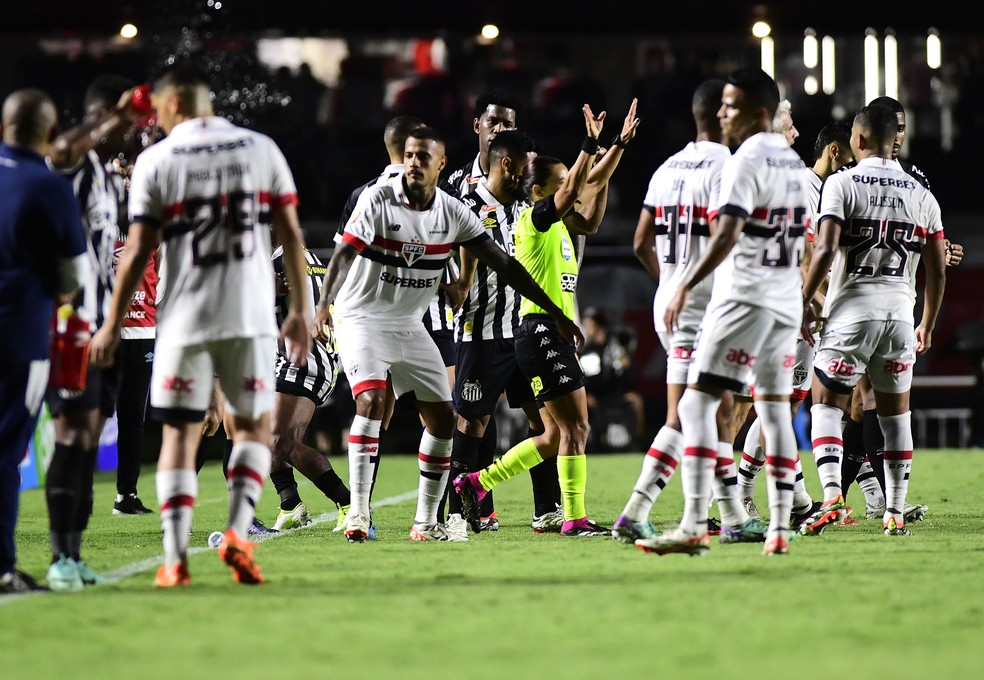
(573, 474)
(519, 458)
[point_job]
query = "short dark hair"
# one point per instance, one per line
(707, 102)
(498, 96)
(880, 122)
(758, 87)
(890, 103)
(509, 142)
(106, 90)
(839, 132)
(398, 129)
(184, 75)
(427, 133)
(538, 172)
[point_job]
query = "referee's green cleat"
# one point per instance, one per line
(64, 576)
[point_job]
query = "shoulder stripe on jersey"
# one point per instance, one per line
(354, 241)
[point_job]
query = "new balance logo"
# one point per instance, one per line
(540, 328)
(393, 227)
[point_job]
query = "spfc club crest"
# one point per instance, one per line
(413, 252)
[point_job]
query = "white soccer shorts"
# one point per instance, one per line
(679, 350)
(410, 358)
(742, 345)
(886, 349)
(182, 377)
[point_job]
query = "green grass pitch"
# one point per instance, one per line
(851, 603)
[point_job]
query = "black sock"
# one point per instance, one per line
(853, 454)
(874, 446)
(286, 486)
(200, 455)
(226, 456)
(486, 456)
(546, 485)
(85, 504)
(62, 493)
(334, 489)
(464, 458)
(374, 461)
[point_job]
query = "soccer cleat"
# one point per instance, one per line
(749, 504)
(130, 505)
(584, 527)
(777, 545)
(434, 532)
(893, 528)
(830, 513)
(798, 517)
(548, 522)
(914, 513)
(357, 528)
(237, 552)
(457, 526)
(174, 575)
(750, 531)
(676, 541)
(89, 576)
(63, 575)
(874, 511)
(371, 536)
(471, 491)
(258, 528)
(292, 519)
(713, 526)
(628, 532)
(17, 582)
(342, 514)
(490, 523)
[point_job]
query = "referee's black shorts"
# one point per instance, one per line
(485, 369)
(547, 359)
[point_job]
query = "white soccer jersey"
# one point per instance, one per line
(813, 184)
(886, 216)
(491, 310)
(211, 187)
(680, 194)
(763, 183)
(403, 253)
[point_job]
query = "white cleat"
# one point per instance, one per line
(457, 526)
(356, 528)
(433, 532)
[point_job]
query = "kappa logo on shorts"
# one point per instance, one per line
(563, 379)
(471, 390)
(537, 385)
(413, 252)
(544, 342)
(540, 328)
(551, 353)
(559, 366)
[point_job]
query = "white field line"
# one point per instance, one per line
(128, 570)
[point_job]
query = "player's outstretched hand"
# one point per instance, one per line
(571, 332)
(102, 347)
(593, 123)
(297, 338)
(630, 124)
(671, 317)
(322, 324)
(954, 253)
(924, 339)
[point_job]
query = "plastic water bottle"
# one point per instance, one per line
(69, 350)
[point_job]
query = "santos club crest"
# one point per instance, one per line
(413, 252)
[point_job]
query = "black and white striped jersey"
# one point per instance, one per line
(99, 194)
(491, 310)
(465, 179)
(316, 379)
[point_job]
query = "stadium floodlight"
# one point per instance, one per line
(769, 56)
(829, 80)
(810, 85)
(128, 31)
(490, 31)
(761, 29)
(891, 64)
(934, 49)
(870, 65)
(810, 48)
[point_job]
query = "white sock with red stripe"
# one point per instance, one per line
(828, 447)
(363, 445)
(752, 460)
(898, 463)
(698, 417)
(249, 464)
(726, 487)
(780, 462)
(658, 466)
(434, 460)
(176, 493)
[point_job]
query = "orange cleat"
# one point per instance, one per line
(237, 552)
(174, 575)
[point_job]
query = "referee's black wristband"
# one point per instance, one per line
(590, 146)
(618, 142)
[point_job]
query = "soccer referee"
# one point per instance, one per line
(42, 257)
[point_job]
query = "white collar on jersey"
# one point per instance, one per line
(391, 171)
(211, 122)
(879, 162)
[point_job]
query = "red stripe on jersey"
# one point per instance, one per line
(283, 201)
(662, 457)
(365, 385)
(776, 461)
(712, 215)
(243, 471)
(182, 501)
(898, 455)
(700, 452)
(824, 441)
(698, 211)
(397, 246)
(172, 211)
(353, 241)
(759, 213)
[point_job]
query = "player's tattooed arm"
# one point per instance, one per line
(338, 268)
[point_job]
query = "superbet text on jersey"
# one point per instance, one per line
(211, 187)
